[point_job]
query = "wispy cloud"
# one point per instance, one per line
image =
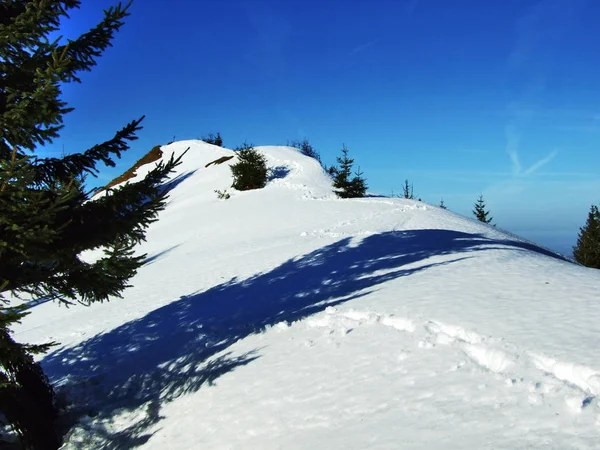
(541, 162)
(512, 148)
(536, 30)
(363, 47)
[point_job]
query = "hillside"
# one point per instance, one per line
(288, 318)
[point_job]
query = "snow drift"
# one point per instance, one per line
(288, 318)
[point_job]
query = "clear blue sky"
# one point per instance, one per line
(461, 97)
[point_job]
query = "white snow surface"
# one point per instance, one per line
(286, 318)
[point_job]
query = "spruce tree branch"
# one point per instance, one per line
(78, 164)
(84, 51)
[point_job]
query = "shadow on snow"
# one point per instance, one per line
(178, 348)
(169, 185)
(158, 256)
(278, 173)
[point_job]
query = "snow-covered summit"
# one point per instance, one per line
(288, 318)
(290, 168)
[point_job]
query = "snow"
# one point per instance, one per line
(289, 318)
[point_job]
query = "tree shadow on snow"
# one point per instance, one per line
(168, 186)
(278, 172)
(178, 348)
(158, 256)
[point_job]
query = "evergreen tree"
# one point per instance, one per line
(341, 173)
(251, 171)
(587, 250)
(357, 186)
(307, 149)
(47, 218)
(214, 139)
(442, 205)
(407, 190)
(480, 212)
(345, 185)
(219, 139)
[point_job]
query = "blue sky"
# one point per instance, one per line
(461, 97)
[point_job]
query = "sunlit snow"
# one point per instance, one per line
(286, 318)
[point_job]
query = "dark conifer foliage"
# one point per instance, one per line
(214, 139)
(307, 149)
(408, 190)
(345, 185)
(480, 211)
(587, 250)
(46, 217)
(442, 205)
(251, 171)
(357, 186)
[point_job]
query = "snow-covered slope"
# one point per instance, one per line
(288, 318)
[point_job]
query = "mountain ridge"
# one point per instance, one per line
(286, 317)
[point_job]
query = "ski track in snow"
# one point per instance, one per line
(422, 329)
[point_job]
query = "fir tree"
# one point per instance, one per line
(407, 190)
(218, 140)
(345, 185)
(307, 149)
(214, 139)
(442, 205)
(587, 250)
(342, 173)
(251, 171)
(47, 218)
(480, 212)
(357, 186)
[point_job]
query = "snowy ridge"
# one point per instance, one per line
(290, 168)
(288, 318)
